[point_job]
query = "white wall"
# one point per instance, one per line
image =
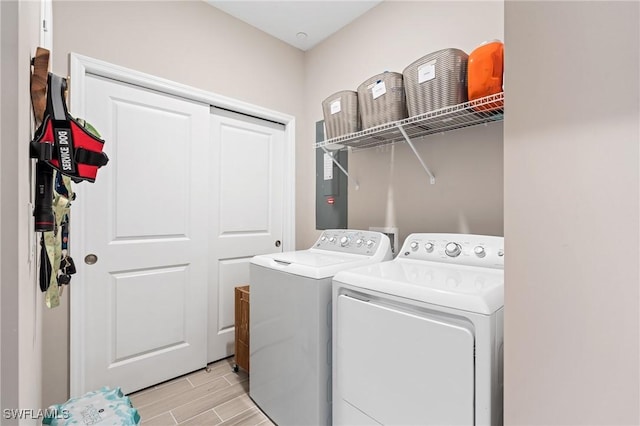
(571, 159)
(394, 189)
(21, 310)
(8, 215)
(188, 42)
(1, 329)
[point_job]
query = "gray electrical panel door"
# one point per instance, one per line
(331, 186)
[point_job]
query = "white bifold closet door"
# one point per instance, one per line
(245, 211)
(144, 301)
(190, 194)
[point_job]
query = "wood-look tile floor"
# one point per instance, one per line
(219, 397)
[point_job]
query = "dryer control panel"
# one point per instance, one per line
(460, 249)
(353, 241)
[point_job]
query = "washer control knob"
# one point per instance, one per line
(429, 247)
(323, 238)
(479, 251)
(359, 242)
(332, 239)
(500, 253)
(452, 249)
(344, 241)
(370, 243)
(414, 245)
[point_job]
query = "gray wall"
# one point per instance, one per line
(9, 355)
(394, 189)
(571, 159)
(21, 304)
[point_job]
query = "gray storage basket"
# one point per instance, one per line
(390, 106)
(341, 115)
(436, 80)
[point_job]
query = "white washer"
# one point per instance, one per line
(418, 340)
(290, 323)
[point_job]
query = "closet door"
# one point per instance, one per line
(143, 295)
(246, 210)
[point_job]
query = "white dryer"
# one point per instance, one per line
(419, 340)
(290, 323)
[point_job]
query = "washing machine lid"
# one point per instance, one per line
(467, 288)
(312, 263)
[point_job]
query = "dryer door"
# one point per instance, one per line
(401, 367)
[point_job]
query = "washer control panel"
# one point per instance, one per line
(352, 241)
(460, 249)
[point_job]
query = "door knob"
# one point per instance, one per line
(90, 259)
(278, 243)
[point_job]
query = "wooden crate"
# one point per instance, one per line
(242, 327)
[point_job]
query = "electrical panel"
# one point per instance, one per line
(331, 186)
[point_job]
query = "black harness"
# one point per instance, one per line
(64, 143)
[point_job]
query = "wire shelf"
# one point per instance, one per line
(480, 111)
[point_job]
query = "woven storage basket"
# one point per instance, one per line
(341, 115)
(436, 80)
(382, 99)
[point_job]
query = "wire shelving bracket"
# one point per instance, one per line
(432, 178)
(330, 154)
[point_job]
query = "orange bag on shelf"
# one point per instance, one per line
(484, 73)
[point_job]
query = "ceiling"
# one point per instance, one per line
(285, 20)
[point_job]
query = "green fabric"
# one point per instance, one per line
(53, 242)
(52, 296)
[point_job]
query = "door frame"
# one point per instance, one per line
(80, 67)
